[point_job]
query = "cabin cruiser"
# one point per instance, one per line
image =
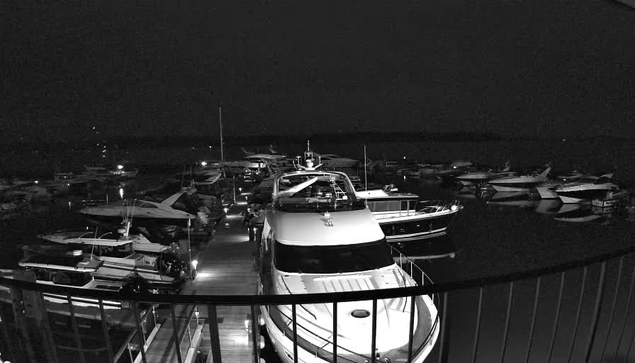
(612, 199)
(157, 268)
(586, 190)
(319, 237)
(69, 269)
(522, 183)
(403, 217)
(178, 209)
(480, 177)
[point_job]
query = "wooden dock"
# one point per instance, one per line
(225, 267)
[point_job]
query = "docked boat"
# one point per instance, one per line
(480, 177)
(583, 190)
(177, 209)
(611, 199)
(519, 183)
(156, 268)
(70, 269)
(319, 237)
(404, 217)
(547, 190)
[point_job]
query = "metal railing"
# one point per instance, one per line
(576, 311)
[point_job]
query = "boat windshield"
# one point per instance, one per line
(332, 259)
(316, 192)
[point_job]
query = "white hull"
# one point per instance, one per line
(510, 188)
(546, 192)
(570, 200)
(284, 346)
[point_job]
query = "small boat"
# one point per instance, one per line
(404, 217)
(480, 177)
(611, 199)
(69, 269)
(124, 254)
(519, 183)
(586, 190)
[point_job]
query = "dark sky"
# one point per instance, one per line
(514, 67)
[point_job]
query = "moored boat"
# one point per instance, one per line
(319, 237)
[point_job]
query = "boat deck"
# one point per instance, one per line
(226, 267)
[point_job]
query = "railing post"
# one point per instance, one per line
(214, 334)
(175, 335)
(596, 311)
(294, 317)
(254, 333)
(507, 319)
(76, 336)
(478, 324)
(104, 327)
(444, 331)
(335, 331)
(628, 309)
(411, 326)
(578, 312)
(533, 320)
(615, 295)
(557, 317)
(140, 334)
(373, 332)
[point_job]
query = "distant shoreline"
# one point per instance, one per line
(254, 140)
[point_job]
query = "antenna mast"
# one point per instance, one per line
(220, 122)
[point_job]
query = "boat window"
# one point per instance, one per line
(404, 205)
(71, 278)
(332, 259)
(146, 205)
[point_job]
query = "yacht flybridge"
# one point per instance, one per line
(319, 237)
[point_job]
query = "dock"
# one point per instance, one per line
(225, 267)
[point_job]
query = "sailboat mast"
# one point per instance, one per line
(220, 122)
(365, 171)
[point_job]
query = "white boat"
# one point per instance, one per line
(519, 183)
(583, 190)
(336, 162)
(177, 209)
(547, 190)
(404, 217)
(479, 177)
(611, 199)
(70, 269)
(319, 237)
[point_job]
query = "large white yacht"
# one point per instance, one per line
(319, 237)
(522, 183)
(586, 190)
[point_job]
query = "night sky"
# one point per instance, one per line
(513, 67)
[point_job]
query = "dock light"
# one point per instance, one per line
(194, 264)
(203, 163)
(121, 193)
(119, 167)
(454, 207)
(36, 182)
(240, 189)
(261, 342)
(225, 210)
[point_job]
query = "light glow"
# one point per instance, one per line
(203, 163)
(194, 264)
(119, 167)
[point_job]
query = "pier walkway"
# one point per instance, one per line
(225, 267)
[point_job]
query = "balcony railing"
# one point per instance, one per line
(576, 311)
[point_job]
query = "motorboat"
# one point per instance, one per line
(547, 190)
(512, 199)
(124, 255)
(611, 199)
(68, 269)
(178, 209)
(334, 161)
(586, 190)
(319, 237)
(520, 183)
(404, 217)
(480, 177)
